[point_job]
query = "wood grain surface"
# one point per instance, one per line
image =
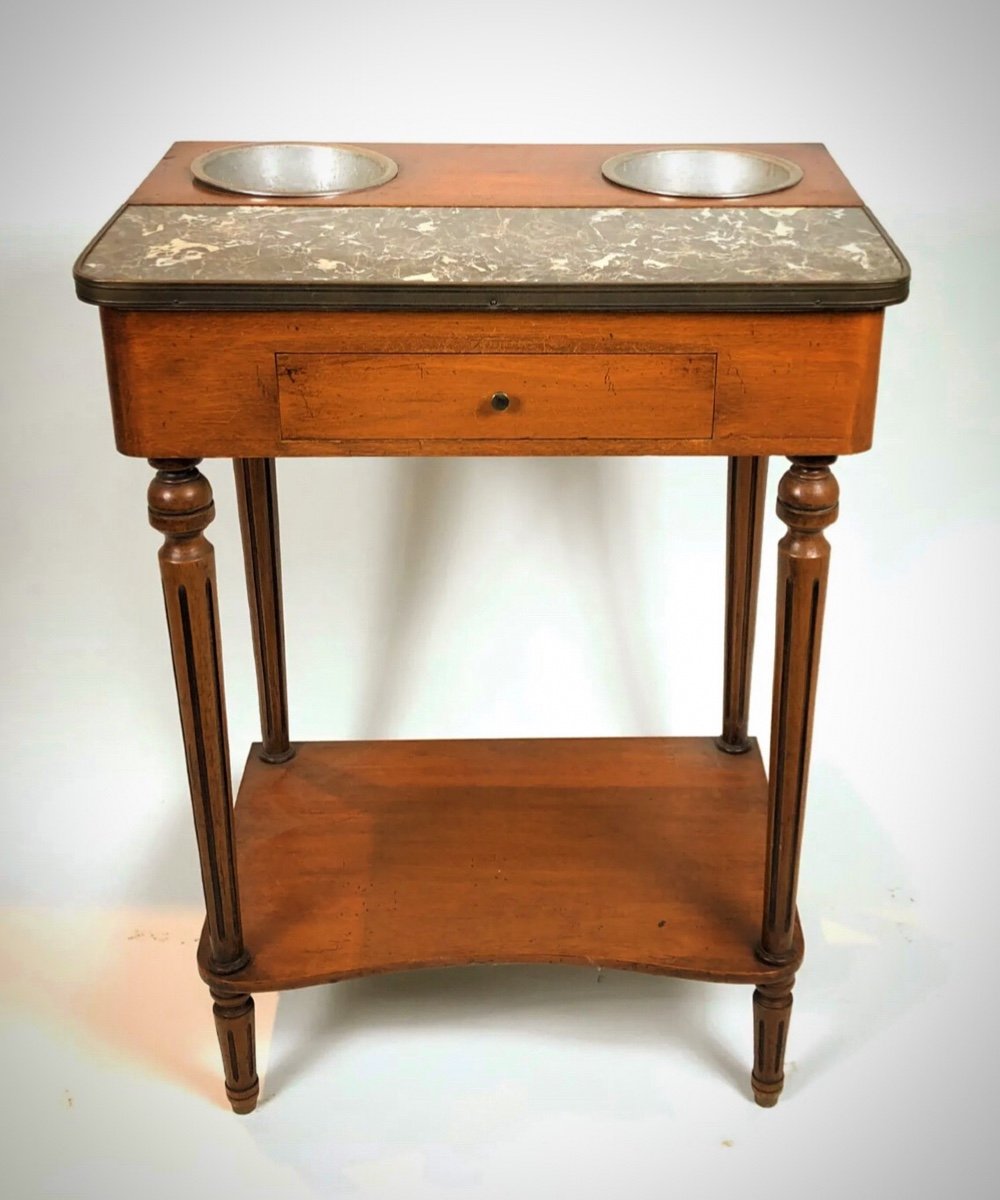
(808, 503)
(206, 384)
(181, 508)
(747, 486)
(257, 502)
(434, 396)
(363, 857)
(509, 176)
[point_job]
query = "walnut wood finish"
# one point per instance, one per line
(207, 384)
(638, 853)
(181, 507)
(745, 518)
(668, 855)
(807, 503)
(234, 1023)
(257, 499)
(448, 396)
(507, 176)
(772, 1010)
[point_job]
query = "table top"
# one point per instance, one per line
(502, 227)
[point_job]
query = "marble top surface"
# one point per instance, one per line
(573, 247)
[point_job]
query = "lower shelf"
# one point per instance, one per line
(363, 857)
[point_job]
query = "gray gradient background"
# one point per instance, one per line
(467, 598)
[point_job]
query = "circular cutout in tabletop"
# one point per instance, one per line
(293, 169)
(711, 174)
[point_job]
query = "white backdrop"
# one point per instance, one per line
(463, 598)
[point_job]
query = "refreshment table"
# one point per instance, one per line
(495, 300)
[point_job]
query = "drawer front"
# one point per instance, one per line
(503, 396)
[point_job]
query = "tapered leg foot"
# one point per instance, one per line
(234, 1023)
(772, 1009)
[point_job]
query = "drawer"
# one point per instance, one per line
(504, 396)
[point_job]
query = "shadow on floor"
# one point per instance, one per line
(616, 1007)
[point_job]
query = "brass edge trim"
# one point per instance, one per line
(524, 297)
(904, 264)
(520, 297)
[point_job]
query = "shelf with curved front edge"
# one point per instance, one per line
(359, 858)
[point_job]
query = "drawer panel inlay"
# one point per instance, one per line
(448, 396)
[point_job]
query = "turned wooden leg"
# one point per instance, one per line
(257, 498)
(772, 1007)
(234, 1023)
(180, 507)
(807, 503)
(747, 486)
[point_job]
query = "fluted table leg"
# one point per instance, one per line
(745, 517)
(772, 1009)
(234, 1023)
(807, 503)
(257, 498)
(181, 507)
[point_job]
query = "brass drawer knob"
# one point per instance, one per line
(500, 401)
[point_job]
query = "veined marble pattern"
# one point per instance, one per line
(491, 246)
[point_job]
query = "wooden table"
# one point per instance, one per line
(494, 300)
